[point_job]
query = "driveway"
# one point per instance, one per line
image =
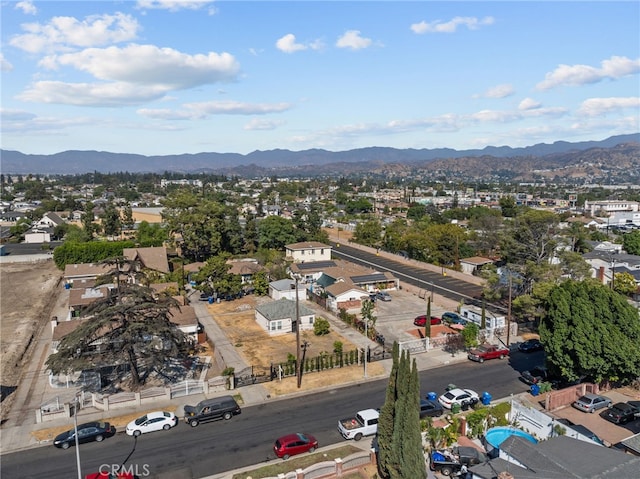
(610, 433)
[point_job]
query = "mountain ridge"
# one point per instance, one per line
(280, 160)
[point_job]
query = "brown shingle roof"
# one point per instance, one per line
(154, 257)
(184, 316)
(72, 271)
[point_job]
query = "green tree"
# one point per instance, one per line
(131, 328)
(625, 284)
(399, 432)
(508, 206)
(631, 242)
(260, 283)
(149, 234)
(366, 311)
(368, 233)
(276, 232)
(321, 327)
(111, 223)
(591, 331)
(214, 277)
(470, 335)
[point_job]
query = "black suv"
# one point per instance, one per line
(224, 407)
(622, 412)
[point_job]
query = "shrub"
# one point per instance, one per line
(321, 327)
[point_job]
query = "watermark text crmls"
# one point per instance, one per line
(125, 471)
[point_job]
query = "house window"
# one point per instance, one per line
(310, 319)
(275, 325)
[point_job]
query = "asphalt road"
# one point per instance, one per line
(446, 286)
(247, 439)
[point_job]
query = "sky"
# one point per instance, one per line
(163, 77)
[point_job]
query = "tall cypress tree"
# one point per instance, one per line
(387, 417)
(413, 463)
(400, 423)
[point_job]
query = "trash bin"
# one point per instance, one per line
(210, 299)
(464, 405)
(535, 389)
(455, 408)
(431, 396)
(486, 398)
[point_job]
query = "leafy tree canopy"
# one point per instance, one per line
(631, 242)
(591, 331)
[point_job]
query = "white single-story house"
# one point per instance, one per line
(344, 295)
(286, 288)
(278, 317)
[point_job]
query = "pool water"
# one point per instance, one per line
(497, 435)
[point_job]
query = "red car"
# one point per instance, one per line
(422, 320)
(293, 444)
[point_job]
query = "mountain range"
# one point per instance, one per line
(616, 152)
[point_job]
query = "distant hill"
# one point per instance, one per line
(296, 163)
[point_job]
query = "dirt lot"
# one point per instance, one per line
(27, 297)
(237, 319)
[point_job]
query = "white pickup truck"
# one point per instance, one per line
(364, 423)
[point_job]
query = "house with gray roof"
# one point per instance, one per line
(278, 317)
(560, 457)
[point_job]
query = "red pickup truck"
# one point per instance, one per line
(488, 351)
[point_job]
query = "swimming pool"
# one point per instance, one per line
(497, 435)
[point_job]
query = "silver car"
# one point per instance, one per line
(591, 402)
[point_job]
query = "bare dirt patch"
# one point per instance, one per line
(28, 293)
(257, 348)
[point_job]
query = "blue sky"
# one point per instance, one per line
(159, 77)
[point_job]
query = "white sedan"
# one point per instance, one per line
(153, 421)
(458, 396)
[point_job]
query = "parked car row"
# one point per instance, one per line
(622, 412)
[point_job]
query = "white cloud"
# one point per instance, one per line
(498, 91)
(575, 75)
(90, 94)
(27, 7)
(288, 44)
(528, 104)
(5, 66)
(164, 68)
(262, 124)
(198, 111)
(176, 5)
(353, 40)
(65, 33)
(438, 26)
(601, 106)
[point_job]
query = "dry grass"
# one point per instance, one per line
(257, 348)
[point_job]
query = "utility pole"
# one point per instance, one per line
(298, 368)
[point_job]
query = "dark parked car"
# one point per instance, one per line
(383, 296)
(530, 345)
(430, 408)
(223, 407)
(621, 413)
(292, 444)
(422, 320)
(90, 431)
(539, 374)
